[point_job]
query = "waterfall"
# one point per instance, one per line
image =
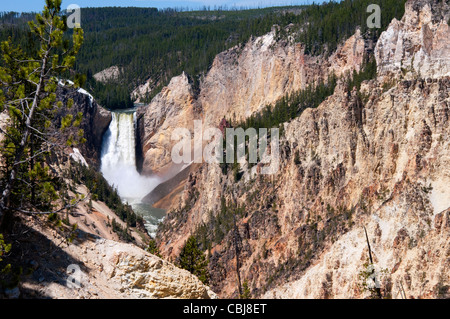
(118, 159)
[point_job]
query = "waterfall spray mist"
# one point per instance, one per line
(118, 159)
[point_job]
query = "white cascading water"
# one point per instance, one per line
(118, 159)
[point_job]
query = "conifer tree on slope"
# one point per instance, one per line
(193, 260)
(28, 94)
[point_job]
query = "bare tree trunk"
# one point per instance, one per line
(236, 234)
(4, 200)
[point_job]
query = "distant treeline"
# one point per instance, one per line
(147, 43)
(325, 26)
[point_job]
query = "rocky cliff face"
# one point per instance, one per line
(111, 73)
(378, 158)
(419, 44)
(241, 81)
(389, 172)
(173, 107)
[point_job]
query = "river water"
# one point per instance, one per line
(118, 165)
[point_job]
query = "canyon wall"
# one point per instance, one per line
(375, 159)
(240, 82)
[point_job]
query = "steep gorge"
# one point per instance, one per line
(375, 158)
(109, 266)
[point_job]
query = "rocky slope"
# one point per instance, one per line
(392, 179)
(378, 158)
(48, 250)
(172, 107)
(107, 269)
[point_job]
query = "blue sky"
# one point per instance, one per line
(37, 5)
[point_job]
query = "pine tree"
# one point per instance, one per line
(246, 294)
(28, 85)
(193, 260)
(4, 269)
(153, 249)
